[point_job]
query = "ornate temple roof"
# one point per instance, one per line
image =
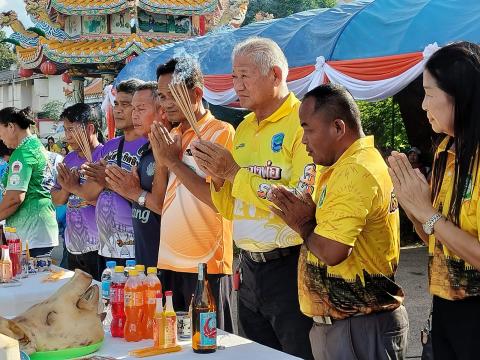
(101, 7)
(97, 50)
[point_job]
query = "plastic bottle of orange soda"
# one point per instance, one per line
(133, 307)
(153, 291)
(143, 281)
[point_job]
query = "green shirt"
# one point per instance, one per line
(30, 171)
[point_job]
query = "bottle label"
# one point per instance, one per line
(133, 298)
(14, 246)
(170, 330)
(106, 289)
(208, 329)
(116, 295)
(152, 296)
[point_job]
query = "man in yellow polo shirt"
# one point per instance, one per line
(351, 236)
(267, 150)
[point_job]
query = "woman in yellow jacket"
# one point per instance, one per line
(446, 215)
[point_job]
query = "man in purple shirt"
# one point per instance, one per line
(113, 212)
(81, 234)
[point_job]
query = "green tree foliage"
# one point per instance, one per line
(51, 110)
(7, 56)
(284, 8)
(383, 120)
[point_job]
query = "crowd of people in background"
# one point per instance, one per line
(298, 187)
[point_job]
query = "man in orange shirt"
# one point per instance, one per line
(192, 231)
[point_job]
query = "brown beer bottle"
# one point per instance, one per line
(204, 315)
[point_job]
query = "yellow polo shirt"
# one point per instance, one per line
(269, 153)
(451, 277)
(356, 206)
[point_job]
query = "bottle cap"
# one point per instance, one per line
(5, 247)
(151, 270)
(132, 272)
(111, 264)
(130, 263)
(119, 269)
(169, 293)
(140, 268)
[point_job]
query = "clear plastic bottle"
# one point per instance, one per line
(106, 280)
(153, 291)
(6, 272)
(129, 265)
(117, 301)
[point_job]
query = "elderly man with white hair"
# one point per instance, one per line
(267, 152)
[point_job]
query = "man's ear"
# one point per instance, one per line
(340, 127)
(278, 75)
(198, 93)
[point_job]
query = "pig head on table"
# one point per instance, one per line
(67, 319)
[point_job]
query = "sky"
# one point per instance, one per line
(19, 7)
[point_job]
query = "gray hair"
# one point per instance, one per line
(264, 52)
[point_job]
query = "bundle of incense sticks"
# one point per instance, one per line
(182, 98)
(80, 135)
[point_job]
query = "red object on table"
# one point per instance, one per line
(14, 248)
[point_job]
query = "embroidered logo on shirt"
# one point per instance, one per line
(322, 196)
(268, 172)
(151, 169)
(277, 142)
(242, 145)
(14, 180)
(467, 195)
(16, 167)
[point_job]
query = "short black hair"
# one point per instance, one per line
(129, 86)
(337, 103)
(186, 67)
(22, 117)
(83, 114)
(149, 85)
(50, 138)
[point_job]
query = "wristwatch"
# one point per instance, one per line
(142, 198)
(428, 225)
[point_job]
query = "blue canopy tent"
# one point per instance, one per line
(344, 44)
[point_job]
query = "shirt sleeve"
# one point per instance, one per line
(223, 200)
(345, 203)
(255, 190)
(19, 174)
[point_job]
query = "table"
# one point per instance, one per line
(14, 300)
(236, 348)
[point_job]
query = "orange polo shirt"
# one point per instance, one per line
(191, 232)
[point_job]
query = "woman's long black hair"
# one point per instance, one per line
(456, 69)
(83, 114)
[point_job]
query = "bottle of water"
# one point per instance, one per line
(106, 279)
(130, 265)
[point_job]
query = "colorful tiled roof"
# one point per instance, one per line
(88, 7)
(30, 57)
(179, 7)
(101, 7)
(104, 49)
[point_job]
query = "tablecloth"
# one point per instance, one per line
(16, 299)
(30, 291)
